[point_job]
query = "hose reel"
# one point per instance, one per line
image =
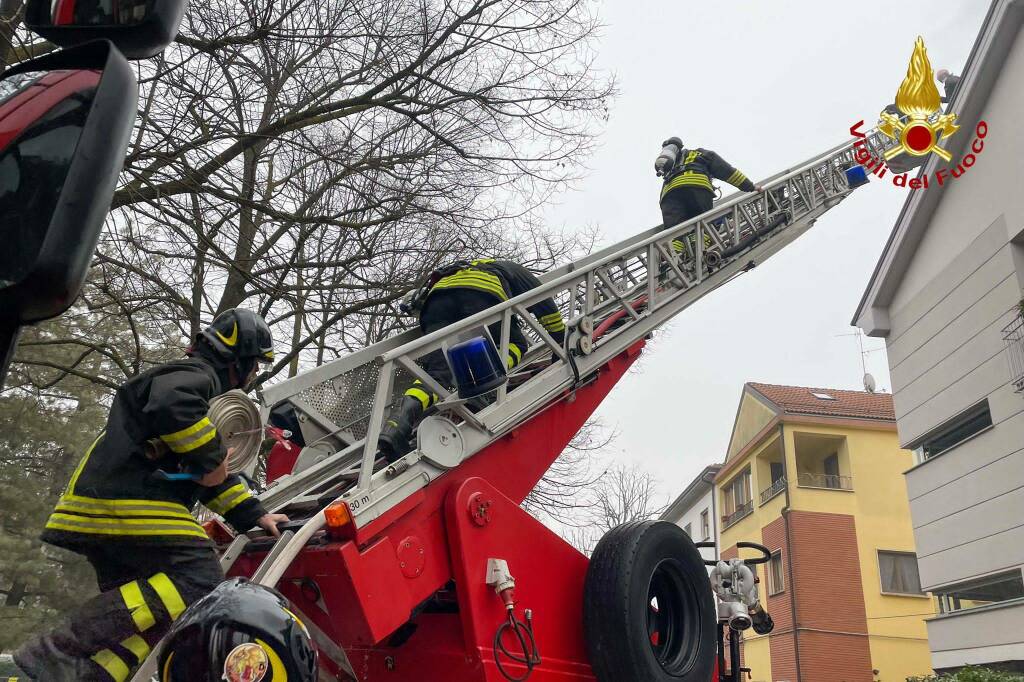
(238, 423)
(237, 420)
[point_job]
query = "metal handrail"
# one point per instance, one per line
(742, 511)
(826, 481)
(1013, 336)
(774, 489)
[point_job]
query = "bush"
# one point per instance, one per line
(971, 674)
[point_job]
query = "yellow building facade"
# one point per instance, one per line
(816, 475)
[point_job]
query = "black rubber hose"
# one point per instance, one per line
(527, 643)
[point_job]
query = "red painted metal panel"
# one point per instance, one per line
(549, 575)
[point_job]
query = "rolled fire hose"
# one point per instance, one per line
(237, 420)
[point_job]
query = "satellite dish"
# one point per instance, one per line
(869, 383)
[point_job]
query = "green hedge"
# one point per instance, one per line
(970, 674)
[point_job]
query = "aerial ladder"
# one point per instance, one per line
(427, 568)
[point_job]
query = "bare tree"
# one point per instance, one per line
(311, 159)
(16, 44)
(622, 494)
(562, 497)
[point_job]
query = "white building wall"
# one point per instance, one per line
(691, 515)
(946, 353)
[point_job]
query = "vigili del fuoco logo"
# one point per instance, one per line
(919, 128)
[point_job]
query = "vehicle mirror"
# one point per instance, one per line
(139, 28)
(65, 122)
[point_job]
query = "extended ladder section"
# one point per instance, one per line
(610, 300)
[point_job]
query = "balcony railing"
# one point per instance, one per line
(1013, 335)
(774, 489)
(827, 481)
(743, 510)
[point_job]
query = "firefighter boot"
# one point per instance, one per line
(394, 437)
(40, 659)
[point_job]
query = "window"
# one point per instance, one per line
(955, 431)
(981, 592)
(899, 572)
(737, 500)
(705, 525)
(777, 471)
(822, 396)
(831, 465)
(688, 530)
(776, 581)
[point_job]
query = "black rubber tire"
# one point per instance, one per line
(630, 564)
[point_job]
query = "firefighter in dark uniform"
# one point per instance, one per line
(687, 191)
(452, 294)
(125, 512)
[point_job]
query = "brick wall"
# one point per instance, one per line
(830, 616)
(781, 642)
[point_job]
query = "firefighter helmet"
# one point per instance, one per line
(240, 632)
(240, 334)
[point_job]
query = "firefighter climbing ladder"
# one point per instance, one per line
(610, 300)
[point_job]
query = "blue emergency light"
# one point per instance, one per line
(476, 366)
(856, 176)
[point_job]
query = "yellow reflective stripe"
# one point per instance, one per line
(235, 501)
(513, 349)
(553, 322)
(71, 503)
(128, 527)
(113, 664)
(218, 503)
(169, 594)
(736, 178)
(556, 326)
(136, 604)
(81, 465)
(689, 178)
(187, 431)
(474, 279)
(137, 646)
(195, 436)
(480, 261)
(420, 395)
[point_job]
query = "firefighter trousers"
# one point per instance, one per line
(447, 307)
(144, 589)
(680, 205)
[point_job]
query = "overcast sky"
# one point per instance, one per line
(767, 85)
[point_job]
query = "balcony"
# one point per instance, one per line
(744, 510)
(774, 489)
(824, 481)
(1013, 336)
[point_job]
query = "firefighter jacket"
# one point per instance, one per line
(504, 280)
(116, 494)
(696, 167)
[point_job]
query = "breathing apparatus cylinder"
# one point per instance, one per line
(666, 160)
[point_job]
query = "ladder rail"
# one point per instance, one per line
(805, 191)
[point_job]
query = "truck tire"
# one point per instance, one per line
(648, 610)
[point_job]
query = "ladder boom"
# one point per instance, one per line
(641, 280)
